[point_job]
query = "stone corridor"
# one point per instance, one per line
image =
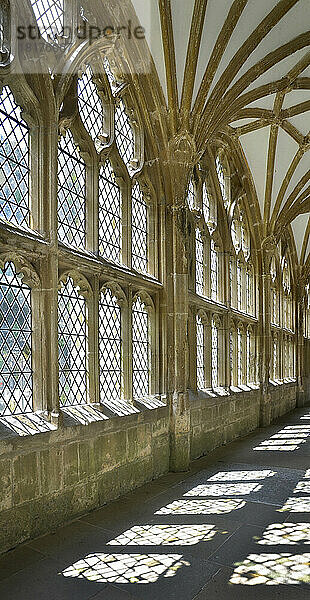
(235, 526)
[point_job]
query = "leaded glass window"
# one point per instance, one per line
(50, 17)
(140, 349)
(274, 316)
(221, 178)
(240, 357)
(124, 136)
(14, 162)
(71, 193)
(110, 215)
(200, 353)
(249, 292)
(139, 230)
(15, 343)
(275, 358)
(191, 194)
(214, 355)
(199, 263)
(248, 356)
(231, 356)
(239, 286)
(214, 271)
(90, 106)
(110, 349)
(206, 204)
(72, 344)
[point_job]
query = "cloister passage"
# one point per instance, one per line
(235, 526)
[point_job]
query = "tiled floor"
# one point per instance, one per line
(235, 527)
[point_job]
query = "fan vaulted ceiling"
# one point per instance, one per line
(242, 67)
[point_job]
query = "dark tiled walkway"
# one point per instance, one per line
(235, 527)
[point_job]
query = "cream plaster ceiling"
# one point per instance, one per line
(216, 89)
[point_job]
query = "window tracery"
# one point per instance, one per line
(124, 135)
(90, 107)
(14, 162)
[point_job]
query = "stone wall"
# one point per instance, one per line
(50, 478)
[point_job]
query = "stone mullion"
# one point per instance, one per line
(92, 187)
(47, 305)
(226, 380)
(298, 355)
(208, 267)
(93, 344)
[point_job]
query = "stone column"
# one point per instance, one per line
(180, 159)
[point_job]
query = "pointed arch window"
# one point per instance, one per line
(249, 375)
(140, 349)
(240, 356)
(200, 353)
(199, 263)
(90, 106)
(214, 271)
(124, 135)
(191, 194)
(71, 193)
(15, 343)
(14, 162)
(221, 178)
(72, 344)
(139, 228)
(214, 355)
(206, 203)
(110, 214)
(110, 349)
(49, 15)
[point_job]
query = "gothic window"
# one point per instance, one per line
(239, 286)
(110, 349)
(275, 358)
(72, 344)
(214, 271)
(124, 136)
(200, 353)
(140, 349)
(206, 203)
(71, 193)
(248, 356)
(240, 356)
(232, 356)
(274, 306)
(249, 292)
(199, 263)
(139, 228)
(110, 215)
(15, 343)
(14, 162)
(221, 178)
(49, 15)
(214, 355)
(191, 194)
(90, 106)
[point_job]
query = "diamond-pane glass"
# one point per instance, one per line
(139, 227)
(72, 345)
(71, 193)
(200, 354)
(221, 178)
(90, 105)
(140, 349)
(110, 215)
(124, 136)
(206, 202)
(199, 263)
(214, 271)
(15, 343)
(14, 162)
(50, 17)
(240, 358)
(110, 350)
(191, 194)
(214, 356)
